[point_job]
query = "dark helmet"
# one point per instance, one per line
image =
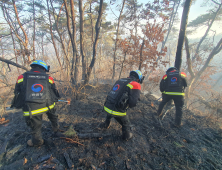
(171, 69)
(137, 74)
(40, 63)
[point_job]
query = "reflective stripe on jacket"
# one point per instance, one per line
(21, 78)
(182, 75)
(34, 112)
(114, 112)
(174, 93)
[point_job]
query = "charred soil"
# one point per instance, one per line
(155, 145)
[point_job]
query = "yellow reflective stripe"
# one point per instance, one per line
(34, 112)
(114, 112)
(183, 75)
(20, 80)
(138, 72)
(174, 93)
(130, 86)
(50, 81)
(43, 63)
(40, 62)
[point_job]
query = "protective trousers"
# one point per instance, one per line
(124, 121)
(178, 101)
(35, 123)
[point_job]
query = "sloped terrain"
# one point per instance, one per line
(195, 145)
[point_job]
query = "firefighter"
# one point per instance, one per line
(172, 87)
(124, 94)
(36, 94)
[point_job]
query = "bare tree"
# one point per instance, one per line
(72, 35)
(97, 29)
(182, 33)
(52, 36)
(116, 41)
(82, 40)
(24, 43)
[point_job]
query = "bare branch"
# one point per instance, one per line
(13, 63)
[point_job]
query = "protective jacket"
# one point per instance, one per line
(125, 93)
(35, 92)
(173, 83)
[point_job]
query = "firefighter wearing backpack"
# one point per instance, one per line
(35, 93)
(172, 86)
(124, 94)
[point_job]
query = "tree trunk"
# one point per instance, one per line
(97, 29)
(67, 63)
(117, 37)
(121, 69)
(25, 44)
(52, 37)
(82, 40)
(182, 33)
(72, 35)
(194, 78)
(141, 55)
(33, 29)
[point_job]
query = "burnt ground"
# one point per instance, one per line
(196, 145)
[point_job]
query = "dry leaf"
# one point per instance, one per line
(93, 167)
(25, 161)
(192, 129)
(204, 149)
(152, 104)
(2, 119)
(184, 141)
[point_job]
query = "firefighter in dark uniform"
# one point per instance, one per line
(35, 93)
(172, 87)
(124, 94)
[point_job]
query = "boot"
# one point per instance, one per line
(127, 136)
(57, 132)
(30, 143)
(105, 125)
(126, 133)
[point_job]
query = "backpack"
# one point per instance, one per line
(118, 94)
(36, 87)
(174, 79)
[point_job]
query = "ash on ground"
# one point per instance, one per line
(155, 145)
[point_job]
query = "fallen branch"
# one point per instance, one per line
(92, 135)
(13, 63)
(3, 122)
(70, 140)
(3, 148)
(68, 160)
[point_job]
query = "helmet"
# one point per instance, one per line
(170, 69)
(40, 63)
(137, 73)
